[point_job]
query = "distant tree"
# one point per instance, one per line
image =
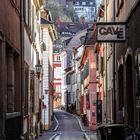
(75, 18)
(69, 11)
(58, 11)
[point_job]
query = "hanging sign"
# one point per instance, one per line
(111, 32)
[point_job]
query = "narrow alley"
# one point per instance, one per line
(67, 127)
(69, 70)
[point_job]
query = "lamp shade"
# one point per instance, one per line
(38, 68)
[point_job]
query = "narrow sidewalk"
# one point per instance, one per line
(49, 134)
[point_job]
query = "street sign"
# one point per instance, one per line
(111, 32)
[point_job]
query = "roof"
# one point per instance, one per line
(90, 37)
(75, 41)
(45, 21)
(70, 28)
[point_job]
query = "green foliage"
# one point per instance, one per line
(65, 14)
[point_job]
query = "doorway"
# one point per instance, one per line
(129, 91)
(121, 94)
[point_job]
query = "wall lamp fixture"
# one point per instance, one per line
(38, 70)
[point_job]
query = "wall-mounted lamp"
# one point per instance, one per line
(38, 70)
(46, 91)
(88, 36)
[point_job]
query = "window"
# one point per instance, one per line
(27, 12)
(91, 3)
(87, 101)
(83, 3)
(57, 58)
(107, 2)
(68, 79)
(57, 73)
(11, 81)
(32, 27)
(93, 9)
(76, 3)
(58, 88)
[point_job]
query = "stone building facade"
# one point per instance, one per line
(20, 85)
(10, 69)
(121, 88)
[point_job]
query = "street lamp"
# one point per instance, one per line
(38, 70)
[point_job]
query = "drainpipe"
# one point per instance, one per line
(3, 86)
(106, 69)
(22, 65)
(114, 73)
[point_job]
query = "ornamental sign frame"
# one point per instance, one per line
(111, 32)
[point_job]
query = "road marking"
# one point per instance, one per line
(86, 136)
(52, 138)
(57, 136)
(57, 123)
(78, 122)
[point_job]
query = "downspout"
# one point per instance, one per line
(3, 86)
(22, 66)
(114, 73)
(106, 68)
